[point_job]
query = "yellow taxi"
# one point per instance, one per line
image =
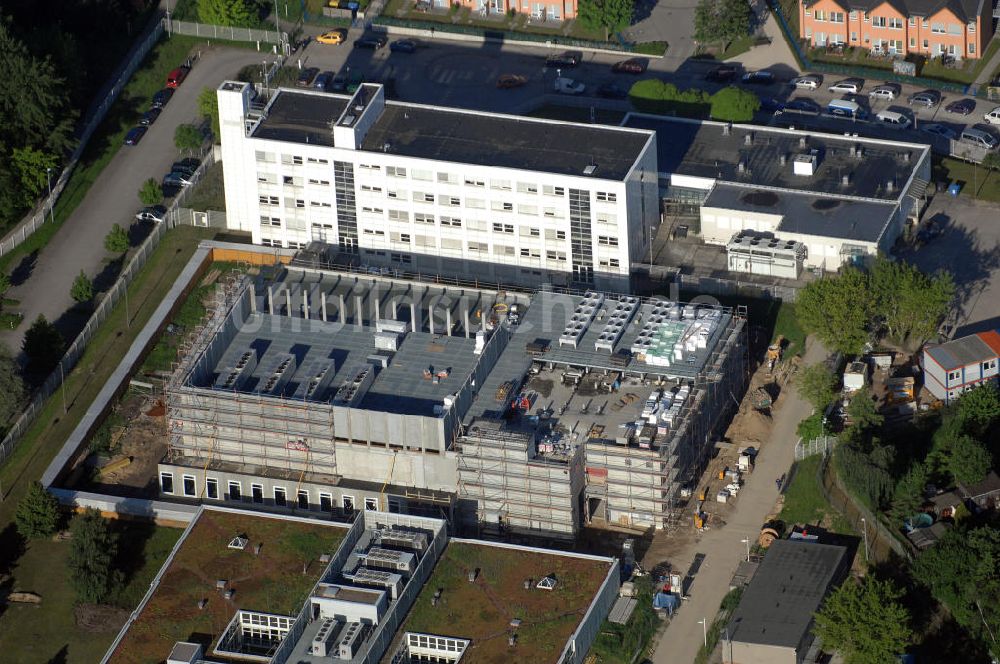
(333, 37)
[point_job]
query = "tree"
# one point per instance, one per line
(208, 106)
(37, 513)
(12, 391)
(4, 283)
(151, 193)
(92, 558)
(835, 309)
(818, 385)
(43, 346)
(865, 622)
(979, 408)
(733, 104)
(721, 21)
(609, 15)
(863, 411)
(188, 138)
(907, 303)
(116, 241)
(30, 165)
(82, 289)
(239, 13)
(811, 427)
(991, 162)
(909, 492)
(968, 460)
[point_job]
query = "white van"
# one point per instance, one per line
(893, 119)
(979, 138)
(845, 108)
(993, 117)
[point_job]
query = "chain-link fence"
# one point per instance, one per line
(808, 448)
(229, 33)
(94, 117)
(112, 297)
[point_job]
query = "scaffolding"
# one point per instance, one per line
(516, 487)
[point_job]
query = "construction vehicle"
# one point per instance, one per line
(774, 353)
(761, 400)
(901, 390)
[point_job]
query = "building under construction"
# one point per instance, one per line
(317, 390)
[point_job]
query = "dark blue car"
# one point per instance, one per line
(403, 46)
(323, 81)
(771, 104)
(134, 135)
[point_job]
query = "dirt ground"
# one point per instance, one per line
(99, 618)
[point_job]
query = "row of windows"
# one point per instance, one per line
(891, 22)
(279, 494)
(888, 45)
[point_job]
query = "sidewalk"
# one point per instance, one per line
(778, 52)
(721, 547)
(986, 73)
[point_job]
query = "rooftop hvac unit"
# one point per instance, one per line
(389, 581)
(388, 340)
(284, 368)
(232, 378)
(582, 316)
(394, 326)
(324, 637)
(350, 641)
(355, 386)
(320, 381)
(405, 539)
(400, 561)
(185, 653)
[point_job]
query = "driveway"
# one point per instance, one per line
(671, 21)
(720, 549)
(43, 281)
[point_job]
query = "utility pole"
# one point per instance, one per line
(704, 631)
(864, 526)
(746, 540)
(48, 179)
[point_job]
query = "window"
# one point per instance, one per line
(395, 193)
(867, 17)
(531, 253)
(270, 221)
(265, 178)
(972, 47)
(453, 201)
(613, 262)
(447, 178)
(394, 506)
(551, 234)
(913, 42)
(555, 255)
(257, 493)
(474, 182)
(952, 375)
(280, 498)
(367, 187)
(549, 190)
(454, 222)
(375, 167)
(501, 206)
(502, 185)
(421, 218)
(607, 241)
(531, 210)
(264, 156)
(503, 228)
(503, 250)
(400, 258)
(326, 182)
(235, 491)
(399, 237)
(878, 21)
(896, 23)
(475, 203)
(989, 364)
(926, 44)
(268, 200)
(399, 215)
(315, 160)
(371, 504)
(809, 12)
(303, 499)
(954, 29)
(836, 17)
(348, 503)
(972, 28)
(528, 231)
(819, 15)
(292, 159)
(395, 171)
(527, 188)
(608, 196)
(188, 485)
(912, 22)
(420, 174)
(425, 241)
(422, 197)
(854, 36)
(300, 203)
(853, 15)
(937, 28)
(318, 204)
(325, 499)
(480, 247)
(167, 482)
(212, 488)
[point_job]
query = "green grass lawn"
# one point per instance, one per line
(976, 181)
(787, 325)
(209, 193)
(804, 501)
(48, 633)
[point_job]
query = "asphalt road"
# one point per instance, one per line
(721, 548)
(43, 282)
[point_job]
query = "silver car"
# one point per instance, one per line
(849, 85)
(808, 82)
(887, 92)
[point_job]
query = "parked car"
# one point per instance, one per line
(339, 83)
(893, 119)
(630, 66)
(961, 106)
(154, 213)
(567, 86)
(161, 98)
(149, 117)
(803, 105)
(851, 85)
(927, 98)
(374, 42)
(758, 78)
(134, 135)
(307, 76)
(979, 136)
(508, 81)
(939, 130)
(189, 165)
(886, 91)
(338, 36)
(612, 90)
(993, 117)
(721, 74)
(564, 60)
(177, 179)
(771, 105)
(177, 76)
(323, 81)
(808, 82)
(403, 46)
(929, 232)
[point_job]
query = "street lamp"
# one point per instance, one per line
(864, 527)
(704, 631)
(48, 179)
(746, 540)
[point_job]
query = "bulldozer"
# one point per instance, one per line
(774, 353)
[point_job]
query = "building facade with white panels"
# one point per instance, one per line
(439, 190)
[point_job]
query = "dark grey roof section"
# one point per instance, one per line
(847, 219)
(985, 487)
(962, 352)
(505, 141)
(298, 117)
(705, 150)
(777, 607)
(965, 10)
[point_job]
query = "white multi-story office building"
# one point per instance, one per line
(442, 190)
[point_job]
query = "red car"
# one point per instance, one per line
(508, 81)
(630, 66)
(177, 76)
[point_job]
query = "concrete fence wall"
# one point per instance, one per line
(94, 117)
